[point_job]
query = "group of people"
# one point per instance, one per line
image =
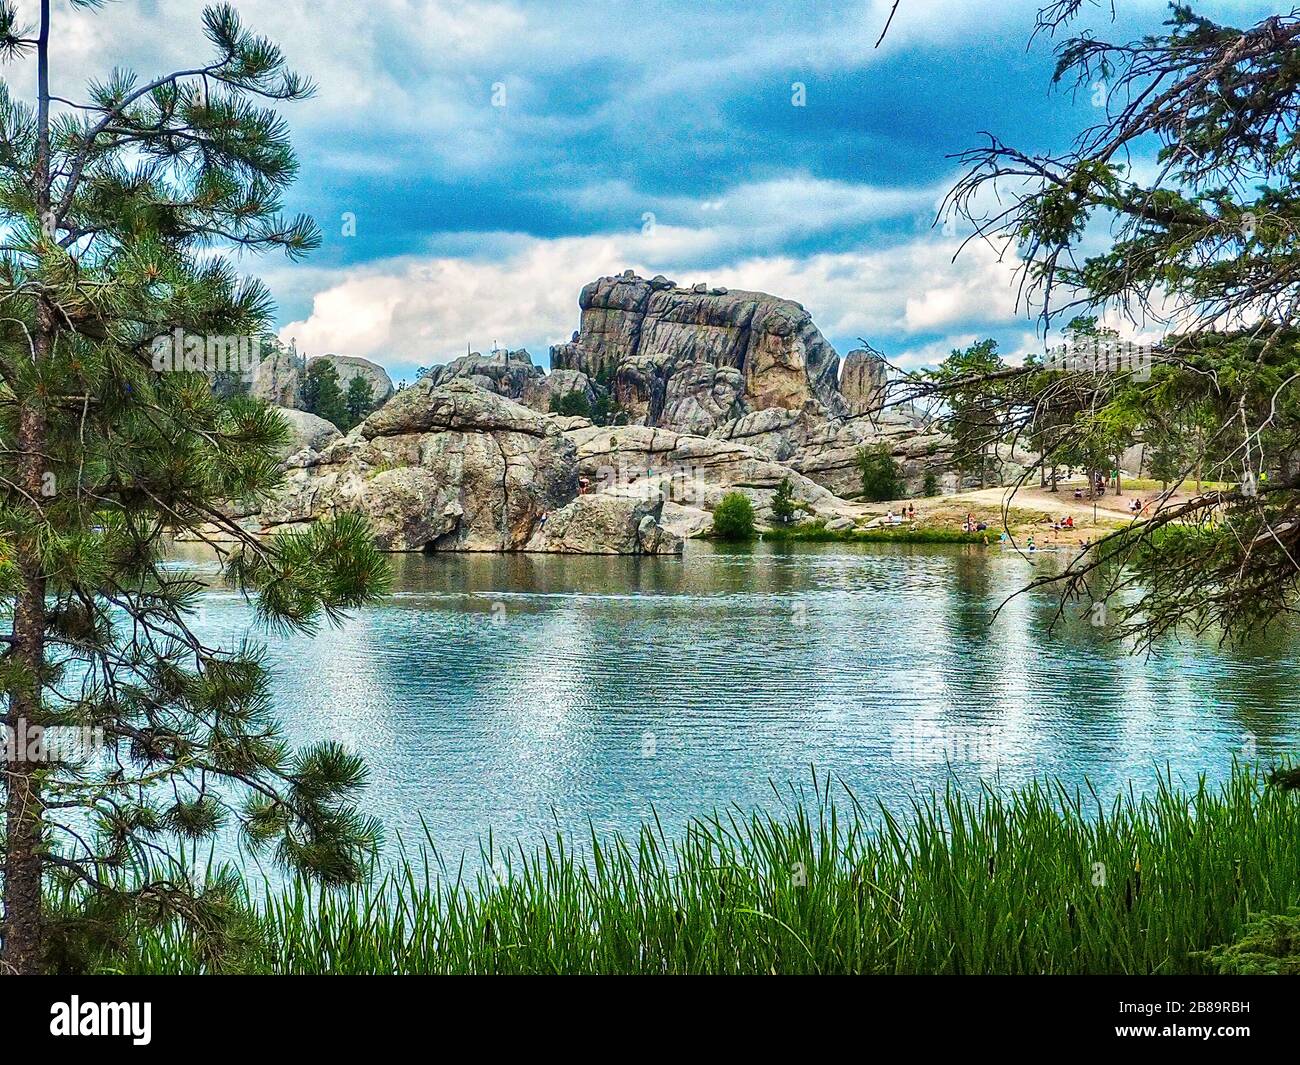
(1066, 522)
(1136, 506)
(908, 513)
(970, 525)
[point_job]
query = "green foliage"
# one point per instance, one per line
(1042, 879)
(783, 503)
(572, 404)
(1269, 946)
(817, 533)
(930, 486)
(975, 415)
(110, 256)
(322, 396)
(879, 473)
(359, 400)
(733, 517)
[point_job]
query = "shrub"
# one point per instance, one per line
(1269, 946)
(931, 485)
(572, 404)
(733, 518)
(880, 476)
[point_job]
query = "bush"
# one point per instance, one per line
(931, 486)
(1270, 946)
(733, 518)
(572, 404)
(880, 476)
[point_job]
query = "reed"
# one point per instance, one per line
(1041, 879)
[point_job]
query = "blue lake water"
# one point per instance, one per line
(522, 693)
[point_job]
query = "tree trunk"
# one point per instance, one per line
(24, 813)
(24, 946)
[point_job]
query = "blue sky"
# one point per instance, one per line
(496, 155)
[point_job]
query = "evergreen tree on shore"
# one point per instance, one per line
(1204, 244)
(111, 210)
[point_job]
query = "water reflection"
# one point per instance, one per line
(526, 692)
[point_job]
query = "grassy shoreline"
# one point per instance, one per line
(1038, 880)
(817, 533)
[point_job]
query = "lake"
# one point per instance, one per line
(521, 693)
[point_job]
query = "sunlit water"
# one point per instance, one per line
(526, 693)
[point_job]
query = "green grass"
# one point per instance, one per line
(1039, 880)
(817, 533)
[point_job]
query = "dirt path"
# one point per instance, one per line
(1031, 510)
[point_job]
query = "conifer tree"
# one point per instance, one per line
(321, 394)
(117, 210)
(359, 400)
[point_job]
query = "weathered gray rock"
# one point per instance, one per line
(309, 431)
(507, 373)
(539, 392)
(277, 378)
(826, 449)
(350, 366)
(455, 467)
(691, 474)
(642, 334)
(608, 523)
(863, 381)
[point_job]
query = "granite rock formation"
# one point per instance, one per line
(456, 467)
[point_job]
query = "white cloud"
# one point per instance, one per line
(430, 309)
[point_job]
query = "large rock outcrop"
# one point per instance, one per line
(691, 474)
(456, 467)
(743, 367)
(507, 373)
(642, 334)
(349, 366)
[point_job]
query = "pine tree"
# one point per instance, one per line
(879, 473)
(322, 396)
(783, 504)
(359, 400)
(112, 211)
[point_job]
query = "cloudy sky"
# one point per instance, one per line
(496, 155)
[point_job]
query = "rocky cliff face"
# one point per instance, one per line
(743, 367)
(458, 468)
(691, 474)
(693, 358)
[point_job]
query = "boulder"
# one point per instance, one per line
(507, 373)
(539, 392)
(456, 467)
(863, 381)
(309, 431)
(608, 523)
(350, 366)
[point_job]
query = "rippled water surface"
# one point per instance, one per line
(515, 692)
